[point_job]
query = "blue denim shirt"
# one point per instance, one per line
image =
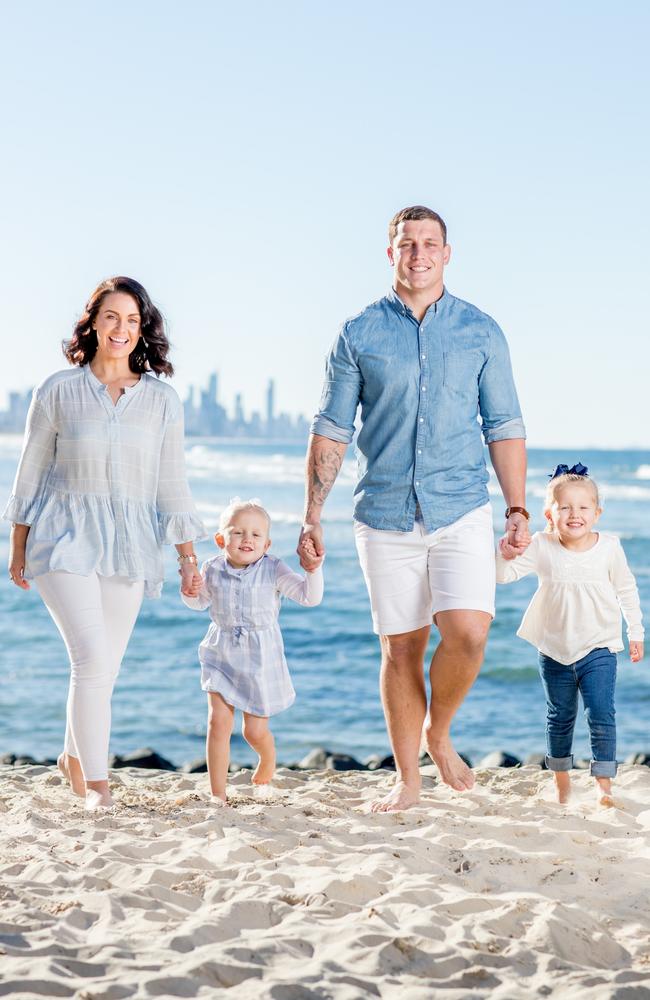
(422, 388)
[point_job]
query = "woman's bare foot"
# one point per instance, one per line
(95, 800)
(265, 769)
(563, 786)
(402, 796)
(70, 768)
(453, 769)
(604, 793)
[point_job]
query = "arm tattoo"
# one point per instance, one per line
(323, 463)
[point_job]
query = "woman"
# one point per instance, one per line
(100, 486)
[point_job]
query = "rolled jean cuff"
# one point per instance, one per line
(603, 768)
(559, 763)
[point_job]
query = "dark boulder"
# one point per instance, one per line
(499, 758)
(343, 762)
(144, 757)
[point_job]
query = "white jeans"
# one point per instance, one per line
(95, 616)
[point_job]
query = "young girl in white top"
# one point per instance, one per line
(242, 655)
(574, 619)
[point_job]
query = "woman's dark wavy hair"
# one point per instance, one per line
(149, 354)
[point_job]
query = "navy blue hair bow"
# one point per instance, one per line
(575, 470)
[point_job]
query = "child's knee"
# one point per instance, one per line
(254, 728)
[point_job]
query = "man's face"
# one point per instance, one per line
(419, 254)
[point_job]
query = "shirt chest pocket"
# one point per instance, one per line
(461, 370)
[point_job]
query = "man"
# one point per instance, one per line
(424, 366)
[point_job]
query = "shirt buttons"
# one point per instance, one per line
(421, 420)
(417, 482)
(423, 356)
(424, 388)
(419, 451)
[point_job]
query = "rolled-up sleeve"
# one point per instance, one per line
(36, 461)
(178, 520)
(498, 402)
(341, 393)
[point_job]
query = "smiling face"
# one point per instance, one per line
(245, 538)
(117, 325)
(419, 254)
(573, 514)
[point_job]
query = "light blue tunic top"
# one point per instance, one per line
(103, 485)
(242, 655)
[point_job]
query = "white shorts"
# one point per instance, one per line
(412, 575)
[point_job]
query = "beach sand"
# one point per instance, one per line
(299, 892)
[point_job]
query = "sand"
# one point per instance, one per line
(300, 892)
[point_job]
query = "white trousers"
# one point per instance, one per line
(95, 616)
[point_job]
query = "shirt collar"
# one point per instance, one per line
(400, 307)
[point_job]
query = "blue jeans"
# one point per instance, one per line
(594, 676)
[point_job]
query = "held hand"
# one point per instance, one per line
(191, 579)
(311, 547)
(517, 537)
(636, 651)
(17, 567)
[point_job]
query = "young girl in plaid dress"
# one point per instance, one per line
(242, 654)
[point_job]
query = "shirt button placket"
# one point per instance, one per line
(422, 407)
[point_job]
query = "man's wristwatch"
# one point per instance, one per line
(517, 510)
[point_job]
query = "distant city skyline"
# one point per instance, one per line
(205, 415)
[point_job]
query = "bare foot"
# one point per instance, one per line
(219, 800)
(562, 786)
(265, 770)
(604, 793)
(453, 769)
(96, 801)
(401, 796)
(70, 768)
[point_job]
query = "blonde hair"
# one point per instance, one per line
(556, 484)
(236, 505)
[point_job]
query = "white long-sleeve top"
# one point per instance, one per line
(578, 603)
(101, 484)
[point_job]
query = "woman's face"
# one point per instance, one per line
(117, 326)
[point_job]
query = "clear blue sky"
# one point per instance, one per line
(242, 161)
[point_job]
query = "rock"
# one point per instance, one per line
(144, 757)
(638, 758)
(582, 763)
(24, 759)
(343, 762)
(372, 762)
(197, 766)
(387, 763)
(8, 758)
(316, 759)
(498, 758)
(538, 759)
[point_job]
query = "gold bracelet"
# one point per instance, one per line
(189, 557)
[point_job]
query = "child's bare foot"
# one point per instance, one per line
(265, 769)
(70, 768)
(401, 796)
(219, 800)
(604, 793)
(563, 786)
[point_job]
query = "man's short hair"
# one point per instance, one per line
(415, 213)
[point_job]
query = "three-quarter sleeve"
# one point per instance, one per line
(36, 461)
(627, 594)
(509, 570)
(178, 520)
(498, 402)
(304, 589)
(341, 393)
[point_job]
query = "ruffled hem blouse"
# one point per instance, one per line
(578, 604)
(102, 485)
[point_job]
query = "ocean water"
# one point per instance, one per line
(332, 652)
